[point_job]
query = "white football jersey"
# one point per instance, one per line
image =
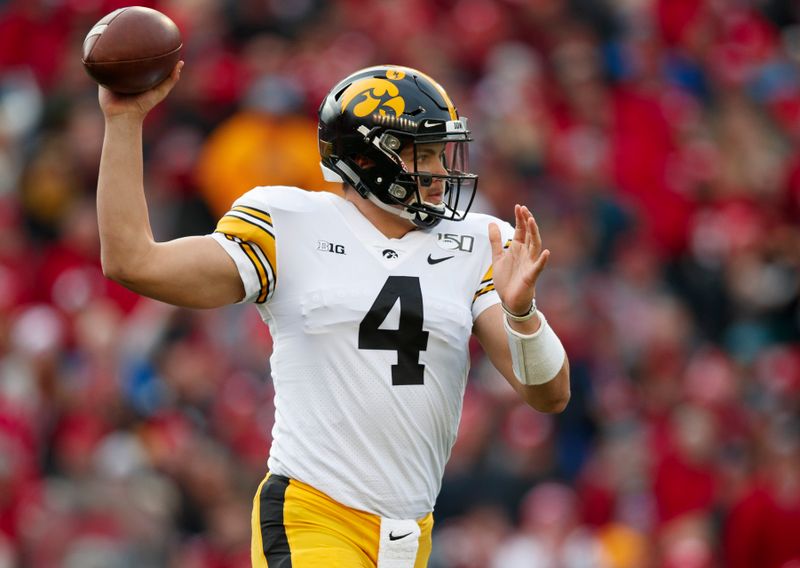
(370, 335)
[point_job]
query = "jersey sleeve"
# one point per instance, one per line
(246, 233)
(485, 294)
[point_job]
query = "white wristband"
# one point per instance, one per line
(524, 317)
(536, 358)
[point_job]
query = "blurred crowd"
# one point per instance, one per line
(656, 141)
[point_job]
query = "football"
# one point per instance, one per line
(131, 49)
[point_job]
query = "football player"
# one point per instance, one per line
(370, 298)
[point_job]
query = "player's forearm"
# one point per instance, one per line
(552, 392)
(552, 396)
(526, 327)
(125, 234)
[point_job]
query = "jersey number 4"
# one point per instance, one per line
(408, 339)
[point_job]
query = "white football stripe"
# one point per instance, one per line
(97, 30)
(252, 219)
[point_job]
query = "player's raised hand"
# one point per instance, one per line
(517, 267)
(139, 105)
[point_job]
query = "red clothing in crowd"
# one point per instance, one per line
(763, 530)
(682, 487)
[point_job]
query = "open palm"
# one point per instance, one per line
(517, 267)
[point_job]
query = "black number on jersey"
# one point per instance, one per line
(408, 339)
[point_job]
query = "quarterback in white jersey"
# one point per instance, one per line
(371, 299)
(370, 340)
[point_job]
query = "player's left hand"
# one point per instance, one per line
(517, 268)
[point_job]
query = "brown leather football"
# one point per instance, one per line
(132, 49)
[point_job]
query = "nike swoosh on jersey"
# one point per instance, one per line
(432, 260)
(398, 537)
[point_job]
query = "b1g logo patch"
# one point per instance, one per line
(326, 246)
(452, 241)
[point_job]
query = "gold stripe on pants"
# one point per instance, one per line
(297, 526)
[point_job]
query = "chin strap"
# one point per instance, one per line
(421, 219)
(330, 175)
(395, 210)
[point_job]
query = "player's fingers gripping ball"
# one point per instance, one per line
(131, 50)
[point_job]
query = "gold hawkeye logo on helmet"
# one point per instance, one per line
(371, 95)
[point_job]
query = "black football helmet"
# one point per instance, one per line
(375, 113)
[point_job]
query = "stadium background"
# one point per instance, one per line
(655, 141)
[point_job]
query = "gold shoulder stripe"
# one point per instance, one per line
(263, 215)
(249, 217)
(262, 273)
(249, 231)
(272, 276)
(508, 244)
(265, 270)
(483, 291)
(488, 276)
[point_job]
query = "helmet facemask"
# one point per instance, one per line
(399, 185)
(450, 182)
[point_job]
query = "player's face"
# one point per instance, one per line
(430, 159)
